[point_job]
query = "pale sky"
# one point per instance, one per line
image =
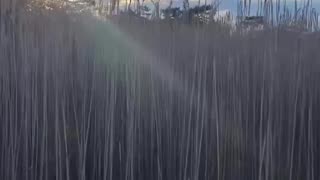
(232, 4)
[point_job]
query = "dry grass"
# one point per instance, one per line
(83, 99)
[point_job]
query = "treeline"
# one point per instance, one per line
(302, 17)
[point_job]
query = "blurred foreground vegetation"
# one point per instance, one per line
(125, 98)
